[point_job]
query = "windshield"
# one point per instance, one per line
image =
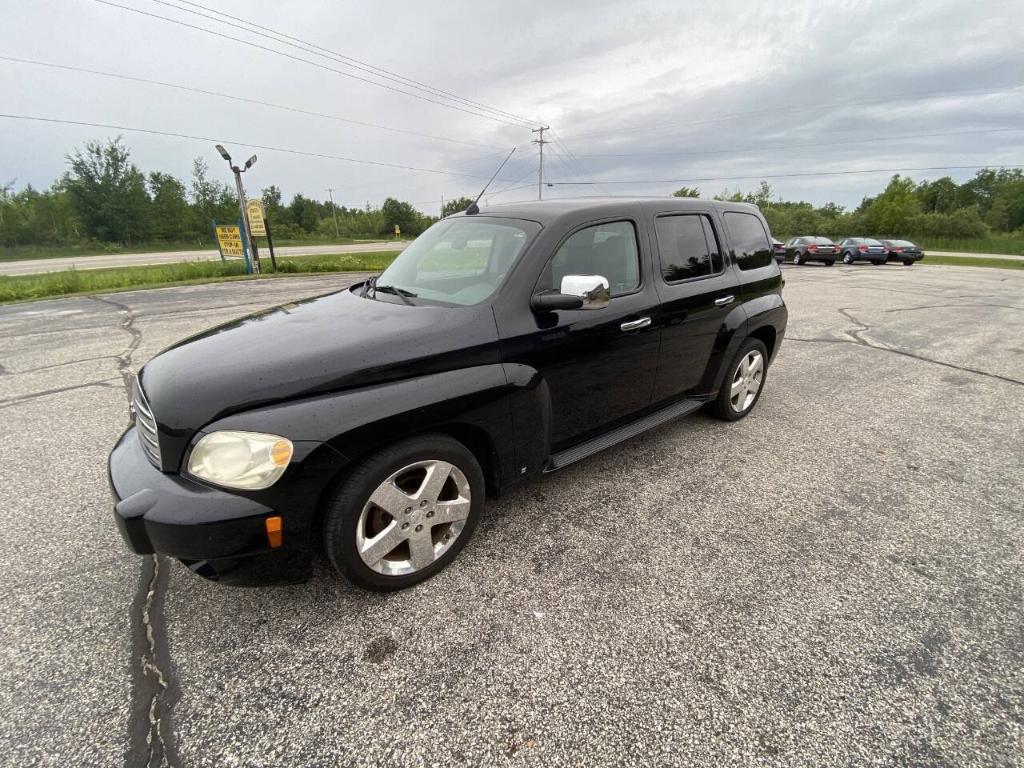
(458, 261)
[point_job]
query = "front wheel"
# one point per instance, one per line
(404, 513)
(847, 258)
(797, 259)
(742, 386)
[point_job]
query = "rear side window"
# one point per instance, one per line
(753, 250)
(687, 246)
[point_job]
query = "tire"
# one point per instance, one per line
(847, 258)
(797, 260)
(908, 262)
(830, 263)
(399, 473)
(877, 263)
(723, 406)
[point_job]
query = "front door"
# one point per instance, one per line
(599, 364)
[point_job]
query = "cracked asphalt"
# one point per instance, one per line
(836, 580)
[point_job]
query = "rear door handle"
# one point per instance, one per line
(721, 302)
(636, 325)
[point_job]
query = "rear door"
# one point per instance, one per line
(697, 291)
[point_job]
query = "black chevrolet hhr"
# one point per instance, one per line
(499, 346)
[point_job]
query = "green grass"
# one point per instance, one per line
(21, 252)
(77, 281)
(967, 261)
(1009, 245)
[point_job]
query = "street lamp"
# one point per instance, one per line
(247, 238)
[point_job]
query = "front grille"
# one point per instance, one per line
(145, 425)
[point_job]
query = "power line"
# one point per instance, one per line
(804, 108)
(316, 64)
(777, 147)
(285, 150)
(348, 60)
(245, 99)
(786, 175)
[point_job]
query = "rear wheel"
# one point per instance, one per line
(830, 263)
(908, 262)
(877, 263)
(404, 513)
(742, 386)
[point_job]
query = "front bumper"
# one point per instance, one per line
(219, 535)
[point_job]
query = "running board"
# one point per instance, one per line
(634, 428)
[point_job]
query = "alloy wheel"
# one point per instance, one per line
(413, 517)
(746, 381)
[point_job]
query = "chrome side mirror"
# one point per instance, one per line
(592, 289)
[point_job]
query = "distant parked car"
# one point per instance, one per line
(811, 248)
(863, 249)
(903, 250)
(779, 250)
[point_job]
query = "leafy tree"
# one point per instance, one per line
(402, 214)
(457, 205)
(891, 212)
(304, 213)
(211, 200)
(108, 192)
(686, 192)
(171, 215)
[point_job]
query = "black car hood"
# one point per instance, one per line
(306, 348)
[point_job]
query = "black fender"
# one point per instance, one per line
(767, 318)
(339, 429)
(730, 334)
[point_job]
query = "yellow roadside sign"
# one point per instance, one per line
(230, 239)
(398, 230)
(257, 226)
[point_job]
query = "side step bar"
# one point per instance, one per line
(634, 428)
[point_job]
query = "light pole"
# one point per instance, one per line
(334, 210)
(246, 237)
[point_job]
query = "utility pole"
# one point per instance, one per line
(334, 211)
(246, 237)
(540, 168)
(442, 206)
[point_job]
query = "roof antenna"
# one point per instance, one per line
(474, 208)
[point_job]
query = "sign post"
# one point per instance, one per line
(230, 242)
(259, 226)
(219, 249)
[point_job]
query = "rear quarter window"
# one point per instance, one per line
(750, 240)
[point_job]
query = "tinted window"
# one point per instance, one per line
(749, 240)
(608, 250)
(687, 246)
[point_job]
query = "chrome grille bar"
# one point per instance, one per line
(145, 423)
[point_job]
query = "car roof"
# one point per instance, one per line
(552, 211)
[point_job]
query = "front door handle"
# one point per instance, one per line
(636, 325)
(721, 302)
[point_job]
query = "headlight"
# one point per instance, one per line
(246, 460)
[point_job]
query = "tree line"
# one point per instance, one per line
(104, 198)
(991, 203)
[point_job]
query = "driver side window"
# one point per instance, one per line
(609, 250)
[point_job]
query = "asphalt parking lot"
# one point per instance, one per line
(836, 580)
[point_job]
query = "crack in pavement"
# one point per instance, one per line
(124, 360)
(154, 690)
(18, 400)
(858, 340)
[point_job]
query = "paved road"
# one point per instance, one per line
(836, 580)
(36, 266)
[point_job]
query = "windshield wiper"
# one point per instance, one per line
(401, 293)
(370, 284)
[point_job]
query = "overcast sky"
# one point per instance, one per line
(637, 91)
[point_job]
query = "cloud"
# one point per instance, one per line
(787, 75)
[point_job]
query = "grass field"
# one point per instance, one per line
(1007, 244)
(967, 261)
(28, 287)
(21, 252)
